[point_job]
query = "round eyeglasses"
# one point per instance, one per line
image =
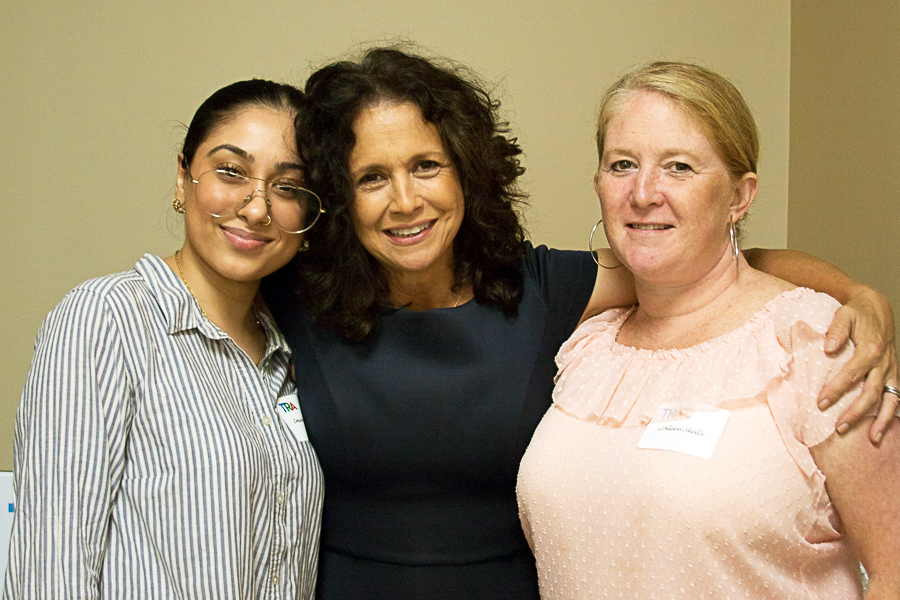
(223, 192)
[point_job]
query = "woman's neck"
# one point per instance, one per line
(669, 299)
(679, 316)
(426, 291)
(225, 302)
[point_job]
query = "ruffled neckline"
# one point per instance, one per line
(750, 326)
(602, 380)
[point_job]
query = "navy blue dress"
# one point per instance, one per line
(420, 431)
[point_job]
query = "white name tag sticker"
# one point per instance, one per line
(288, 408)
(696, 433)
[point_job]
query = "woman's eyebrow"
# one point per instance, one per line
(282, 166)
(234, 149)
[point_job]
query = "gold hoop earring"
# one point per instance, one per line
(178, 205)
(591, 248)
(734, 247)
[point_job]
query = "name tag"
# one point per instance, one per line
(288, 407)
(674, 429)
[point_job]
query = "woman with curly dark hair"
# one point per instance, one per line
(487, 247)
(423, 329)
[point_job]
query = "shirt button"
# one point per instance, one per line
(279, 498)
(266, 420)
(275, 579)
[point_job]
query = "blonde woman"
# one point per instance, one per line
(684, 455)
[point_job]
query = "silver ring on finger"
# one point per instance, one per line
(889, 389)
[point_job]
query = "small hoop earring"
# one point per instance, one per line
(303, 247)
(734, 247)
(178, 205)
(591, 248)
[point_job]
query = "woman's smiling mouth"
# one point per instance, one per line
(405, 233)
(649, 226)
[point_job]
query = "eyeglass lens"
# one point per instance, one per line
(223, 193)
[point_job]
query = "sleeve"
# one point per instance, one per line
(565, 280)
(71, 429)
(793, 398)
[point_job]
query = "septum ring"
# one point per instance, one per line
(265, 198)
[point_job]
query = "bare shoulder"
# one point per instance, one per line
(762, 287)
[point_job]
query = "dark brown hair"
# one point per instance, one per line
(226, 102)
(341, 284)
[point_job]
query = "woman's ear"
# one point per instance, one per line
(181, 176)
(744, 194)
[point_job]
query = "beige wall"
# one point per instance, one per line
(92, 95)
(845, 138)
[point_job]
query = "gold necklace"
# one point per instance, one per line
(260, 334)
(187, 285)
(458, 296)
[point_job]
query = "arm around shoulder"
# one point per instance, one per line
(865, 318)
(613, 287)
(804, 270)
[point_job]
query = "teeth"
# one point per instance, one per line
(408, 232)
(650, 227)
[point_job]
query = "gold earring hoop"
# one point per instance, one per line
(178, 205)
(734, 247)
(591, 248)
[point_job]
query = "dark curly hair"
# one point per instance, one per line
(341, 285)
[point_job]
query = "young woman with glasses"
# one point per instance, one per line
(159, 449)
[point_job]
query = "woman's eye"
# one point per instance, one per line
(229, 174)
(370, 179)
(427, 168)
(287, 181)
(680, 167)
(229, 170)
(620, 166)
(285, 190)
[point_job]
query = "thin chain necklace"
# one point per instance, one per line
(458, 296)
(260, 335)
(187, 285)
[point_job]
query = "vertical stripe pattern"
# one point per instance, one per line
(150, 461)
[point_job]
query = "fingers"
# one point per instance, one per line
(868, 321)
(874, 395)
(869, 399)
(886, 414)
(867, 362)
(838, 333)
(889, 400)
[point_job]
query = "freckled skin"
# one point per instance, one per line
(659, 169)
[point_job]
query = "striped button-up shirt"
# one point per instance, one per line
(152, 459)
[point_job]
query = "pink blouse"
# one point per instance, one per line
(608, 519)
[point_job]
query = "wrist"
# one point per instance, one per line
(860, 292)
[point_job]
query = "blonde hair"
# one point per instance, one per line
(707, 97)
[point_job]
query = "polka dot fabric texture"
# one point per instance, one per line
(609, 520)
